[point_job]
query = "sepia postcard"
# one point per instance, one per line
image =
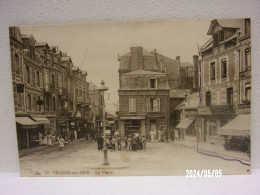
(143, 98)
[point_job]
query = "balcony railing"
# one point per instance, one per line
(245, 74)
(222, 109)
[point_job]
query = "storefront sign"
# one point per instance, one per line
(137, 93)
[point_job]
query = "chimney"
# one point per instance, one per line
(137, 60)
(195, 73)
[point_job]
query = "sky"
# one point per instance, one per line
(101, 43)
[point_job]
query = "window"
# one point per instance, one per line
(247, 26)
(28, 74)
(34, 103)
(80, 93)
(248, 92)
(47, 104)
(17, 64)
(153, 104)
(221, 36)
(208, 98)
(215, 40)
(153, 83)
(53, 79)
(212, 71)
(53, 104)
(230, 96)
(132, 105)
(39, 106)
(37, 78)
(29, 102)
(248, 59)
(223, 68)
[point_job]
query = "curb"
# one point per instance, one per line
(211, 152)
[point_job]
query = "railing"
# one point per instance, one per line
(222, 109)
(245, 74)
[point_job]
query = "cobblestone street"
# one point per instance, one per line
(82, 158)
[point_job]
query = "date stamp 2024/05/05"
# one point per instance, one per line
(204, 173)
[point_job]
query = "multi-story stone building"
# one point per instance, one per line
(225, 81)
(50, 82)
(143, 94)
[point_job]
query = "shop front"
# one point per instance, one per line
(185, 127)
(237, 133)
(27, 132)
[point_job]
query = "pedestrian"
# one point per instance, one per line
(144, 143)
(75, 135)
(176, 135)
(134, 144)
(71, 136)
(61, 143)
(129, 143)
(125, 143)
(107, 143)
(166, 135)
(152, 135)
(40, 139)
(159, 136)
(44, 139)
(113, 144)
(118, 144)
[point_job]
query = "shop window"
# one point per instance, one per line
(153, 104)
(223, 68)
(208, 98)
(212, 71)
(132, 105)
(152, 83)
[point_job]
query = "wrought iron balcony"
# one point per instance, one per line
(245, 74)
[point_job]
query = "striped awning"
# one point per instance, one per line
(26, 122)
(41, 120)
(239, 126)
(185, 123)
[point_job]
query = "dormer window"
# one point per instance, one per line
(218, 37)
(152, 83)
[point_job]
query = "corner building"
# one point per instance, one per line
(143, 94)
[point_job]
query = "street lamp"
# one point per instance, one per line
(102, 90)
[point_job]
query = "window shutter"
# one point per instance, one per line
(158, 104)
(155, 105)
(134, 105)
(148, 104)
(130, 105)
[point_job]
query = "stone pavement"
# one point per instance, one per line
(40, 148)
(190, 141)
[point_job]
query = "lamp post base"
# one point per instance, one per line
(105, 157)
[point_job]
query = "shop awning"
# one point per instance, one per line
(185, 123)
(132, 117)
(239, 126)
(41, 120)
(26, 122)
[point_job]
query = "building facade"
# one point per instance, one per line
(143, 94)
(225, 79)
(51, 96)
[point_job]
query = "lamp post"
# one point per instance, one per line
(102, 90)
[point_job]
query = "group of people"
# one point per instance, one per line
(134, 143)
(110, 143)
(163, 135)
(46, 139)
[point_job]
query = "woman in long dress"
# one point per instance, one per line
(61, 144)
(152, 135)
